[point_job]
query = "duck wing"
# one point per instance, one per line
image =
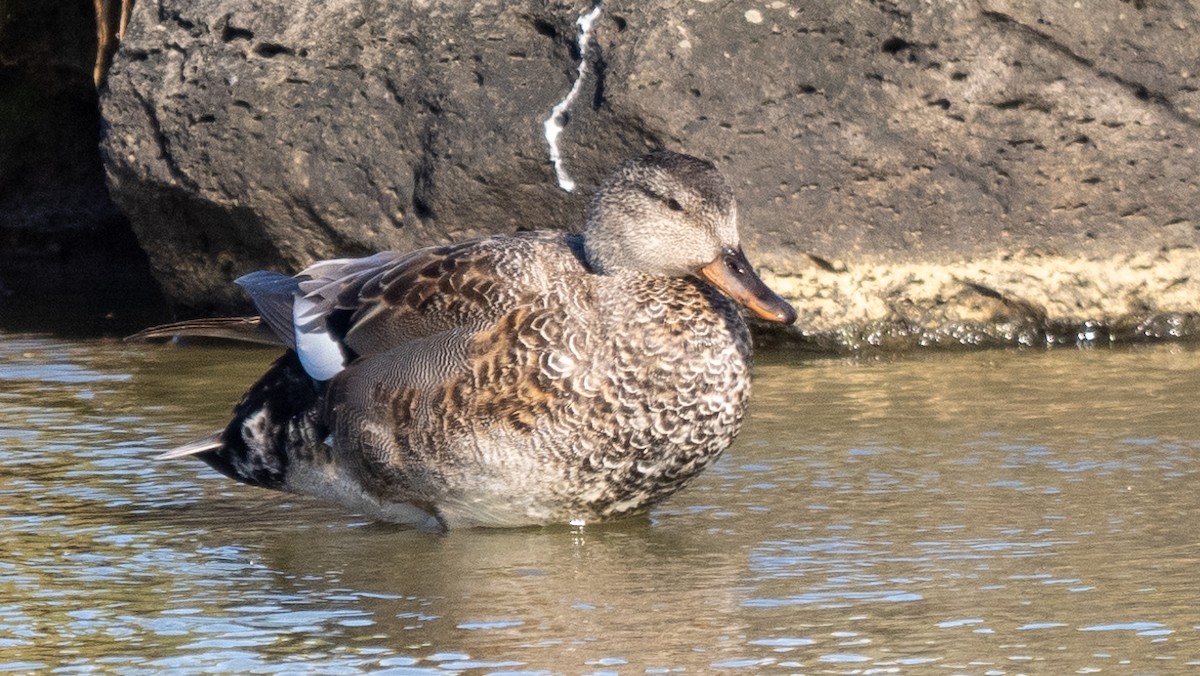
(453, 350)
(421, 308)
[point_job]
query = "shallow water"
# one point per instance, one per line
(983, 513)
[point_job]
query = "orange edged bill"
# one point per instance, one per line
(733, 275)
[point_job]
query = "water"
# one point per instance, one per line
(985, 513)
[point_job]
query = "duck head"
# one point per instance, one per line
(674, 215)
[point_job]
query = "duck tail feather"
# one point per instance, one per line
(278, 419)
(244, 329)
(210, 442)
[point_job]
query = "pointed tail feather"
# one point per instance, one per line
(245, 329)
(280, 417)
(208, 443)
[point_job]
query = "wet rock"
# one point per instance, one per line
(963, 173)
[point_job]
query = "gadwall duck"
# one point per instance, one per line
(511, 380)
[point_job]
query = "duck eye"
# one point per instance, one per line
(673, 204)
(734, 265)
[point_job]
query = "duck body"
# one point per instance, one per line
(502, 381)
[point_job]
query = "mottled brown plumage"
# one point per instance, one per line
(517, 379)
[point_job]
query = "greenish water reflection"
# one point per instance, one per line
(995, 512)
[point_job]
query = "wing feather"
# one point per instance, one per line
(393, 299)
(245, 329)
(273, 294)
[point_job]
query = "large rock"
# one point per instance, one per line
(907, 172)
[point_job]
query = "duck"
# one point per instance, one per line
(525, 379)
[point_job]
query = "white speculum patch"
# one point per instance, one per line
(319, 352)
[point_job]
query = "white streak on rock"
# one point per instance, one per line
(553, 125)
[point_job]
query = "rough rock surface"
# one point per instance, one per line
(981, 172)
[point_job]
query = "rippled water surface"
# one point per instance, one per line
(987, 513)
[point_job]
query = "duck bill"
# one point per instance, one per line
(732, 274)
